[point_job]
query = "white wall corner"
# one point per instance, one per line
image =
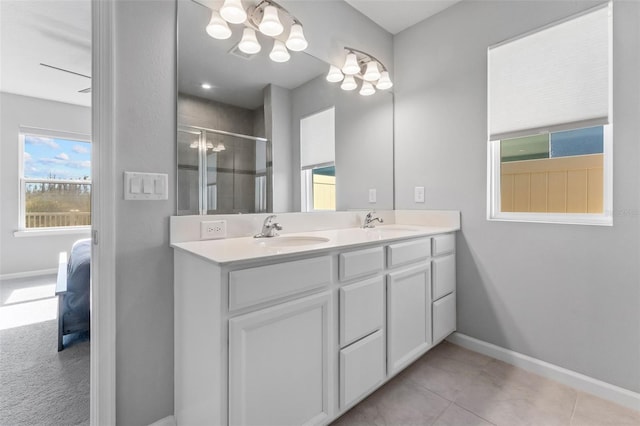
(567, 377)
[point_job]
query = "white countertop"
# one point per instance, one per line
(230, 250)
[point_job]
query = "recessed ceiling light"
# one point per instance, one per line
(206, 86)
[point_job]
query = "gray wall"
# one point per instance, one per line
(364, 142)
(32, 253)
(565, 294)
(145, 134)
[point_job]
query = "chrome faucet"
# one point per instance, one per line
(369, 219)
(269, 228)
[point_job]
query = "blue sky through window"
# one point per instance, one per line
(56, 158)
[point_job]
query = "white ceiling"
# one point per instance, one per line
(398, 15)
(58, 33)
(54, 32)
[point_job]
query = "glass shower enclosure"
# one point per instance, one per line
(221, 172)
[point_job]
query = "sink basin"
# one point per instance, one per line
(293, 241)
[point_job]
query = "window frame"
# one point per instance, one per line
(306, 184)
(494, 212)
(23, 181)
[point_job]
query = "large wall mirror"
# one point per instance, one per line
(260, 136)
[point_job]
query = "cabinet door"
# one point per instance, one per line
(361, 309)
(361, 368)
(444, 276)
(409, 315)
(444, 317)
(279, 364)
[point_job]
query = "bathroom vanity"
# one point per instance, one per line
(298, 328)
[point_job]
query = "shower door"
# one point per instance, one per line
(221, 172)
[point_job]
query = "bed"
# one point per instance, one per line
(73, 290)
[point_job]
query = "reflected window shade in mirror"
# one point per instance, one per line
(267, 17)
(375, 73)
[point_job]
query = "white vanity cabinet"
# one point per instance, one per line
(298, 339)
(444, 287)
(278, 364)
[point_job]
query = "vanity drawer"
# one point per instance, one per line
(251, 286)
(444, 317)
(361, 262)
(361, 368)
(411, 251)
(443, 244)
(361, 309)
(444, 276)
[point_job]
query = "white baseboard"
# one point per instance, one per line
(167, 421)
(571, 378)
(28, 274)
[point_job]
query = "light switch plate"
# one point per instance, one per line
(146, 186)
(418, 194)
(372, 195)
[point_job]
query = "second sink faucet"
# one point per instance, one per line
(269, 228)
(370, 218)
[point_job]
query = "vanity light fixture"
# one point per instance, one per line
(206, 86)
(374, 74)
(267, 17)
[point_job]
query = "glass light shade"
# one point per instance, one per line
(296, 41)
(233, 12)
(279, 53)
(249, 43)
(385, 82)
(218, 27)
(349, 83)
(210, 145)
(219, 147)
(335, 75)
(271, 24)
(351, 66)
(367, 89)
(194, 144)
(371, 73)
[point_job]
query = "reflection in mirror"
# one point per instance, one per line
(256, 109)
(220, 172)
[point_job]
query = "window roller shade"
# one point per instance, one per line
(317, 139)
(553, 79)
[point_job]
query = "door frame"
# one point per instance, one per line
(103, 267)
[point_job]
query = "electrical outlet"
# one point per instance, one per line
(213, 229)
(418, 194)
(372, 195)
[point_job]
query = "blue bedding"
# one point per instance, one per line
(78, 278)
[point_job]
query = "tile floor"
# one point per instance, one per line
(452, 386)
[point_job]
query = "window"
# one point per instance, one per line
(319, 188)
(55, 180)
(550, 126)
(317, 160)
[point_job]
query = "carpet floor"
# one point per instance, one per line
(38, 384)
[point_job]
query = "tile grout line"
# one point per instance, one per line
(443, 411)
(475, 414)
(575, 406)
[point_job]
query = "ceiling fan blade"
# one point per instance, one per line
(65, 70)
(87, 90)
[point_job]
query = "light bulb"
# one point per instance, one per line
(385, 82)
(271, 24)
(249, 43)
(233, 12)
(296, 41)
(351, 66)
(371, 73)
(218, 27)
(335, 75)
(279, 53)
(367, 89)
(349, 83)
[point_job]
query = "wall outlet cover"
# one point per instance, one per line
(418, 194)
(212, 229)
(372, 195)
